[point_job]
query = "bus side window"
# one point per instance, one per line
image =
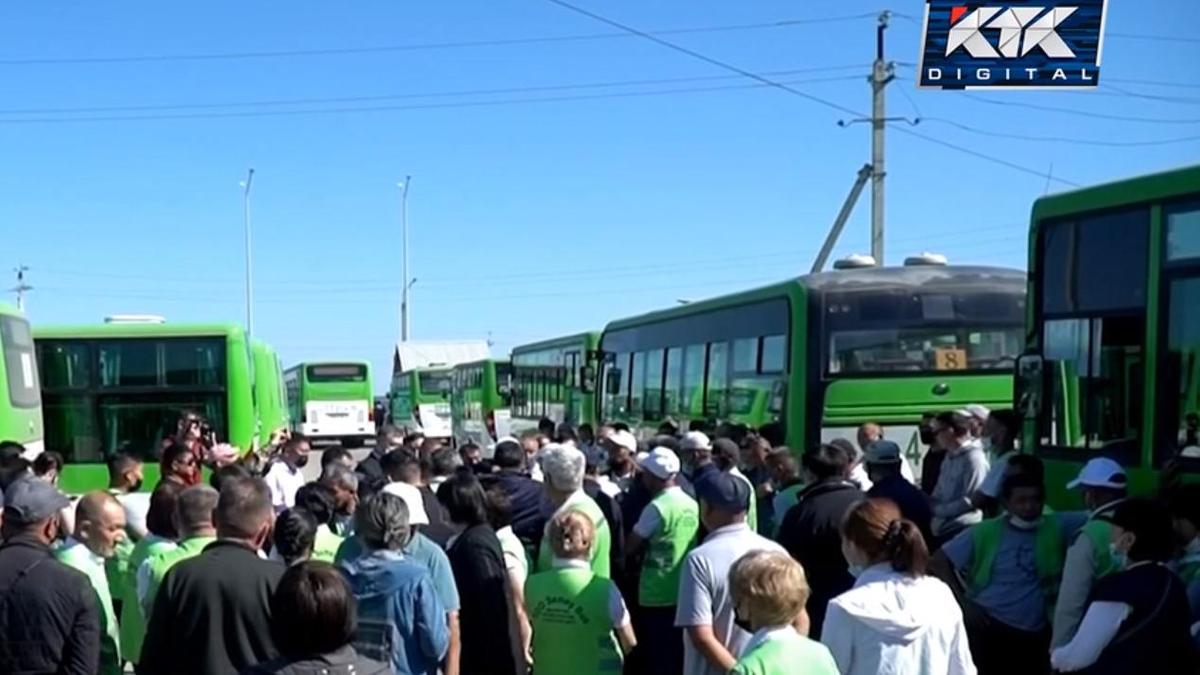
(654, 385)
(717, 390)
(673, 389)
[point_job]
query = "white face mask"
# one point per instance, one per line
(1022, 524)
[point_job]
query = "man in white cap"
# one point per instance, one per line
(1104, 485)
(665, 532)
(621, 447)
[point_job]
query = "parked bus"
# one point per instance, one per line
(420, 399)
(555, 379)
(1113, 360)
(123, 384)
(20, 394)
(332, 401)
(270, 397)
(479, 402)
(822, 353)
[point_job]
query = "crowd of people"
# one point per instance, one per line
(580, 551)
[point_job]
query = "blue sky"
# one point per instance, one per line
(530, 219)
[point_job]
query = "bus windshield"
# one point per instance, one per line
(337, 372)
(907, 350)
(434, 383)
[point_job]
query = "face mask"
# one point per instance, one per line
(1022, 524)
(301, 461)
(856, 570)
(137, 485)
(1120, 558)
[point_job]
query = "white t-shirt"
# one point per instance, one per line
(136, 505)
(617, 611)
(284, 482)
(704, 598)
(515, 562)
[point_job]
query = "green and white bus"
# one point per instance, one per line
(823, 353)
(122, 386)
(555, 379)
(332, 401)
(420, 399)
(1113, 360)
(480, 393)
(270, 397)
(20, 394)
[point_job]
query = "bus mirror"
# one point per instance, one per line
(587, 379)
(612, 380)
(1029, 385)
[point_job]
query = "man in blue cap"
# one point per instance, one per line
(713, 639)
(49, 617)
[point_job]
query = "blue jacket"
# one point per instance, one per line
(400, 618)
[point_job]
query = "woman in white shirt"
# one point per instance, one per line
(895, 619)
(516, 564)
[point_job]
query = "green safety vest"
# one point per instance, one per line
(680, 516)
(1049, 553)
(787, 653)
(1099, 531)
(572, 625)
(601, 564)
(133, 619)
(326, 544)
(79, 557)
(162, 563)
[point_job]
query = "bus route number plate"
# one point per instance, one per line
(949, 358)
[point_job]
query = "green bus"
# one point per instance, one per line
(270, 397)
(20, 394)
(420, 399)
(822, 353)
(1112, 366)
(555, 379)
(332, 401)
(123, 384)
(480, 393)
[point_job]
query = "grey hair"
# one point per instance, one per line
(382, 522)
(563, 467)
(336, 474)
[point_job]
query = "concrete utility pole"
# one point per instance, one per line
(21, 288)
(882, 73)
(249, 259)
(407, 282)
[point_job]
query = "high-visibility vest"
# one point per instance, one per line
(1049, 555)
(572, 623)
(680, 516)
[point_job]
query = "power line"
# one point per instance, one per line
(436, 94)
(344, 51)
(802, 94)
(1153, 38)
(1060, 139)
(1081, 113)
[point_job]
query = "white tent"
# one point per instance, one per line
(434, 353)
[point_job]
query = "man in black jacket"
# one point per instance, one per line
(49, 617)
(212, 613)
(529, 505)
(811, 530)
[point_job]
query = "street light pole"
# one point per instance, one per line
(407, 282)
(246, 184)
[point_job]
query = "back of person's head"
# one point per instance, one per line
(846, 446)
(336, 455)
(1147, 522)
(295, 532)
(827, 461)
(313, 610)
(119, 464)
(563, 467)
(772, 432)
(445, 462)
(227, 473)
(876, 527)
(669, 442)
(725, 453)
(499, 507)
(11, 449)
(46, 463)
(620, 426)
(546, 427)
(464, 499)
(337, 476)
(768, 588)
(160, 518)
(12, 468)
(194, 510)
(572, 535)
(402, 466)
(508, 455)
(319, 500)
(244, 509)
(565, 433)
(381, 522)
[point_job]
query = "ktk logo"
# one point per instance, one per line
(1019, 32)
(1018, 43)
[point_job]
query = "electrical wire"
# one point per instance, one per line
(1080, 113)
(1060, 139)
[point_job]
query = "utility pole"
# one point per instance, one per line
(407, 282)
(21, 288)
(882, 73)
(249, 259)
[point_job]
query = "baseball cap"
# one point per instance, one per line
(1101, 472)
(882, 451)
(412, 499)
(661, 462)
(695, 440)
(623, 439)
(979, 412)
(724, 491)
(30, 500)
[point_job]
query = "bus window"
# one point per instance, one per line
(716, 392)
(1095, 264)
(1183, 234)
(673, 389)
(693, 382)
(433, 384)
(1179, 421)
(193, 363)
(20, 363)
(64, 365)
(334, 372)
(130, 363)
(616, 389)
(745, 355)
(654, 387)
(774, 354)
(637, 375)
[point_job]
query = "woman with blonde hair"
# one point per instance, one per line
(769, 592)
(580, 622)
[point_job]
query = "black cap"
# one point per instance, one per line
(724, 491)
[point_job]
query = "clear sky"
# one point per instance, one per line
(531, 218)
